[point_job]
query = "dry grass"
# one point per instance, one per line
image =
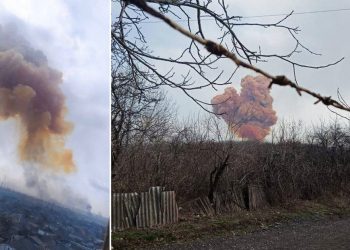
(239, 223)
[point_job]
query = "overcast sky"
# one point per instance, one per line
(75, 37)
(325, 33)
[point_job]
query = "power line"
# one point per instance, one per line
(300, 13)
(267, 15)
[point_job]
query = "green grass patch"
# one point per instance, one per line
(133, 238)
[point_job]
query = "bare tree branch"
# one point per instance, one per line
(219, 50)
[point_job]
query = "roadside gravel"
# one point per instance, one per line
(321, 234)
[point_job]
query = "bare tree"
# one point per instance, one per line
(198, 158)
(138, 115)
(130, 45)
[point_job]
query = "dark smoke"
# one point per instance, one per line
(30, 93)
(249, 114)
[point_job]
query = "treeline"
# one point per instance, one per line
(201, 158)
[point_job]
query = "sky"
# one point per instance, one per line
(323, 33)
(74, 35)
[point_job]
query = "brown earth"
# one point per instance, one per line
(301, 225)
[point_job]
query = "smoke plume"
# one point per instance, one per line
(53, 188)
(249, 114)
(30, 93)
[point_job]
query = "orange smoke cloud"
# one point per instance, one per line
(30, 92)
(249, 114)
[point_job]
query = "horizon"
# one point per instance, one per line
(67, 49)
(54, 202)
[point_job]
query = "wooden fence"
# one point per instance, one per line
(146, 209)
(231, 201)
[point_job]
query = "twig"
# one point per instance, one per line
(219, 50)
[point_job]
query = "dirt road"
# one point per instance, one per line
(322, 234)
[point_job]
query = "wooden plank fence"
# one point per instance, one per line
(257, 197)
(146, 209)
(230, 201)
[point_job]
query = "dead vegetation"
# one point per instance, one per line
(298, 163)
(199, 158)
(240, 223)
